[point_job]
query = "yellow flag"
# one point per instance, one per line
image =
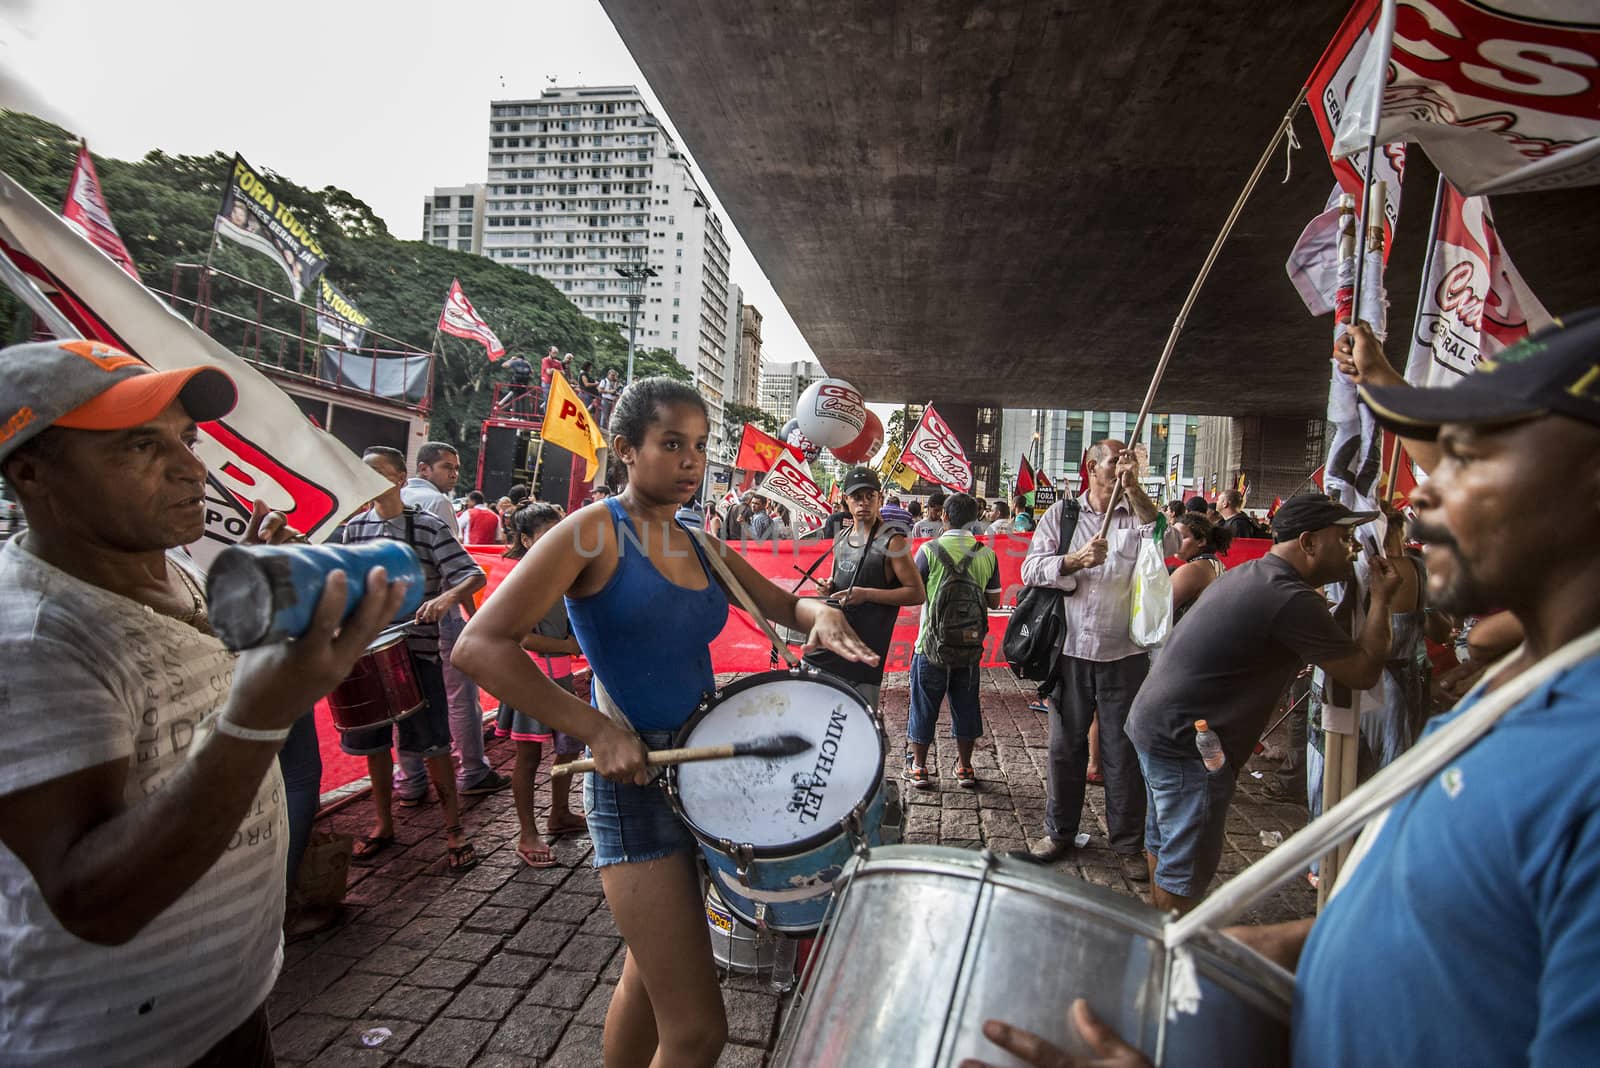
(569, 424)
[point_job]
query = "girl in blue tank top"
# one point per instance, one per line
(645, 606)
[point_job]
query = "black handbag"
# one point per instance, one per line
(1038, 625)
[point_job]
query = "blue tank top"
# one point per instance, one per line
(649, 639)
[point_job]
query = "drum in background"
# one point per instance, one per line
(381, 688)
(735, 945)
(776, 833)
(927, 942)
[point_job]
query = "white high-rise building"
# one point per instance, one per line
(1054, 441)
(584, 180)
(782, 384)
(452, 217)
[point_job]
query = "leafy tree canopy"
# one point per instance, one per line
(164, 207)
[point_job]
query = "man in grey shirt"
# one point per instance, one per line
(1101, 668)
(438, 468)
(1228, 665)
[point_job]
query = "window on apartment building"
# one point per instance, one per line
(464, 245)
(441, 231)
(441, 202)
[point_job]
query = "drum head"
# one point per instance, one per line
(789, 804)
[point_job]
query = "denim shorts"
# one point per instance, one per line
(425, 732)
(1185, 820)
(631, 824)
(930, 685)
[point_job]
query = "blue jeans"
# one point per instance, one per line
(930, 685)
(1185, 820)
(300, 761)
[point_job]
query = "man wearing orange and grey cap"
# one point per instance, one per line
(141, 807)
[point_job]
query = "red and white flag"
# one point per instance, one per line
(86, 210)
(460, 319)
(933, 452)
(1329, 92)
(1474, 303)
(790, 481)
(1504, 97)
(265, 449)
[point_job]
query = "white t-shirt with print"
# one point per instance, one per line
(91, 677)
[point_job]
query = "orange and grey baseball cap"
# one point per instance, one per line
(89, 385)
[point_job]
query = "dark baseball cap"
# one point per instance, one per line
(1306, 512)
(860, 478)
(89, 385)
(1553, 372)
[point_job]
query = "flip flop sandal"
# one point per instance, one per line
(412, 802)
(462, 858)
(528, 856)
(371, 845)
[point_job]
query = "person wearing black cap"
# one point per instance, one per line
(873, 578)
(1277, 622)
(141, 807)
(1464, 927)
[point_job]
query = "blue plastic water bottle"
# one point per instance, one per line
(261, 594)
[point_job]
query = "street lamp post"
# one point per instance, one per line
(635, 273)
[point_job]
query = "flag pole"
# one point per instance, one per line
(1194, 290)
(1382, 39)
(1427, 261)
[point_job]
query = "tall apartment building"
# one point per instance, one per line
(584, 180)
(730, 371)
(1062, 437)
(452, 217)
(747, 376)
(782, 384)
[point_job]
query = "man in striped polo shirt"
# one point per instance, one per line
(141, 808)
(451, 577)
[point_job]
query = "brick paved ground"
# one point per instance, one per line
(508, 966)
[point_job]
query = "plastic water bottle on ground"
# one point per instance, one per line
(783, 957)
(1210, 747)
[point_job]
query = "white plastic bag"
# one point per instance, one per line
(1151, 618)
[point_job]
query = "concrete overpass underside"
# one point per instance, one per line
(1004, 202)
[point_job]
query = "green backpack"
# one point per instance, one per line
(958, 614)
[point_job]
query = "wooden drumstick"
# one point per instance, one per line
(742, 595)
(771, 745)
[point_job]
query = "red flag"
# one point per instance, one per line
(933, 452)
(1024, 478)
(460, 319)
(1405, 482)
(1277, 502)
(758, 450)
(1316, 476)
(1328, 93)
(1083, 473)
(86, 210)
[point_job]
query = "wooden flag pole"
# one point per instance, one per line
(1194, 290)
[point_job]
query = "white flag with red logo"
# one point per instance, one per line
(933, 452)
(460, 319)
(265, 449)
(1474, 303)
(86, 210)
(790, 481)
(1503, 98)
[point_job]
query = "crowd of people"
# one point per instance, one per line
(598, 394)
(155, 792)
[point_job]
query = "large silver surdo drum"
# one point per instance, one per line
(924, 943)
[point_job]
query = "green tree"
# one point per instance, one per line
(735, 416)
(164, 206)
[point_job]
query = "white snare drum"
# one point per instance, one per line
(927, 942)
(775, 833)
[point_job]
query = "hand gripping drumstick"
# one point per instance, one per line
(770, 745)
(748, 603)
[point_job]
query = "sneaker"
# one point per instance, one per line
(917, 776)
(966, 778)
(1039, 706)
(491, 783)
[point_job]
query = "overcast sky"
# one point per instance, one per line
(385, 100)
